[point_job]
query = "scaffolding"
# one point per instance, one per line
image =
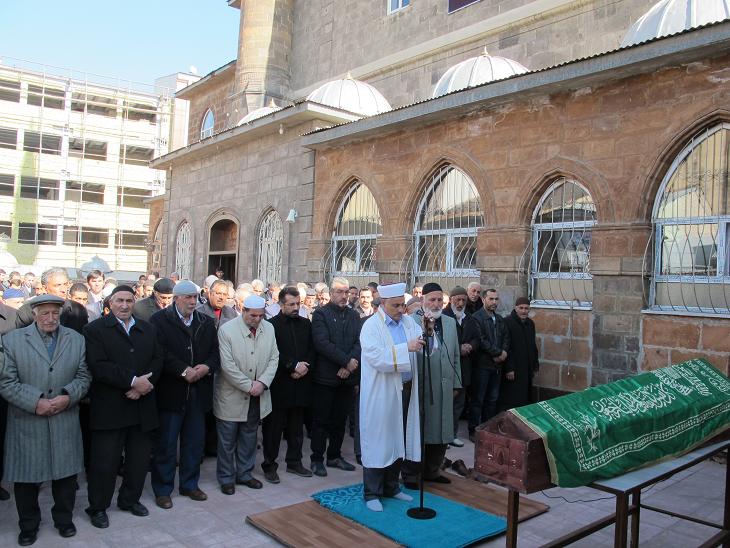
(74, 165)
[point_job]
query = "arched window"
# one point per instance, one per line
(561, 244)
(449, 216)
(356, 230)
(691, 219)
(270, 244)
(184, 251)
(206, 128)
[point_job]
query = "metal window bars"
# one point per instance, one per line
(690, 221)
(560, 246)
(206, 128)
(270, 245)
(358, 224)
(184, 250)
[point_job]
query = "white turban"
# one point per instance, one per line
(391, 290)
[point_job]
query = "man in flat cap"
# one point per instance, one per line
(468, 332)
(390, 343)
(55, 282)
(522, 362)
(249, 359)
(161, 298)
(184, 393)
(43, 378)
(444, 379)
(125, 361)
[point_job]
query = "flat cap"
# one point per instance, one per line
(164, 286)
(458, 290)
(46, 299)
(185, 287)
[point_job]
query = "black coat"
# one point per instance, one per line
(73, 315)
(8, 317)
(522, 360)
(144, 308)
(114, 358)
(336, 336)
(294, 340)
(185, 347)
(472, 307)
(494, 339)
(468, 333)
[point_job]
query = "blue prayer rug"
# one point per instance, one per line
(455, 524)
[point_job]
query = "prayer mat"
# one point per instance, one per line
(455, 524)
(607, 430)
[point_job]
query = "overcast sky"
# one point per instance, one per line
(135, 40)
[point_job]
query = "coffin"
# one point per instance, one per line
(510, 454)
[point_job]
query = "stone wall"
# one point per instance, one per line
(215, 95)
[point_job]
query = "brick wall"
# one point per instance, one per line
(213, 95)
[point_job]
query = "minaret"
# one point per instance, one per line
(264, 46)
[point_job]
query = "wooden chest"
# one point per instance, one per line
(510, 454)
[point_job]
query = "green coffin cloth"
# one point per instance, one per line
(608, 430)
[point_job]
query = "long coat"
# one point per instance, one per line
(114, 359)
(445, 363)
(244, 359)
(40, 448)
(336, 336)
(468, 333)
(522, 360)
(294, 341)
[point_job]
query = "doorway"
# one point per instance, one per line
(223, 249)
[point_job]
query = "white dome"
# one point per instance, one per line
(7, 259)
(476, 71)
(672, 16)
(259, 113)
(352, 95)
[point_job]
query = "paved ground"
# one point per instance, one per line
(220, 521)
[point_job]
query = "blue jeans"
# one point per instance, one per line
(189, 428)
(484, 395)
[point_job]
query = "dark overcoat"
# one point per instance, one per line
(294, 341)
(185, 347)
(336, 336)
(522, 359)
(39, 448)
(114, 359)
(468, 333)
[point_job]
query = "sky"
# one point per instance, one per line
(132, 40)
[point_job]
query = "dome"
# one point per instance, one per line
(672, 16)
(7, 259)
(95, 263)
(352, 95)
(259, 113)
(475, 71)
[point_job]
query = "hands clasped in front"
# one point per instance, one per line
(48, 407)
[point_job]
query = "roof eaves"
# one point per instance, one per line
(205, 79)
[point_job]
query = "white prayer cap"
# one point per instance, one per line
(391, 290)
(209, 280)
(254, 301)
(185, 287)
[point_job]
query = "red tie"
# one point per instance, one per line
(253, 332)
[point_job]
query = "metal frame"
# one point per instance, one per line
(560, 227)
(270, 246)
(721, 239)
(184, 250)
(450, 233)
(207, 131)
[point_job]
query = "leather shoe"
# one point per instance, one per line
(26, 538)
(194, 494)
(66, 531)
(318, 469)
(99, 519)
(163, 502)
(271, 476)
(438, 479)
(299, 470)
(136, 509)
(460, 468)
(340, 463)
(410, 484)
(4, 495)
(252, 483)
(228, 489)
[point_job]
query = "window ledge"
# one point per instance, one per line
(584, 308)
(688, 313)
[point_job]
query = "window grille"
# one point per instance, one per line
(206, 128)
(445, 237)
(271, 243)
(561, 246)
(184, 251)
(691, 219)
(355, 234)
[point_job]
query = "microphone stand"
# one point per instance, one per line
(422, 512)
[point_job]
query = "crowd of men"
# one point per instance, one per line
(117, 378)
